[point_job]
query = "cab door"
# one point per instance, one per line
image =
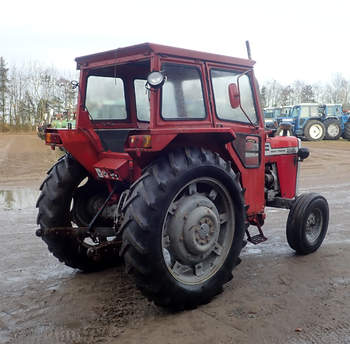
(303, 116)
(246, 150)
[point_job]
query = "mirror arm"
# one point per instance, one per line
(248, 118)
(240, 105)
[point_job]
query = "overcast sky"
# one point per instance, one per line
(290, 40)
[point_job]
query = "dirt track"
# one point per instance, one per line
(275, 296)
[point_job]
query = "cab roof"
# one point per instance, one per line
(147, 49)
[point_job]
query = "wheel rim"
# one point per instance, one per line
(198, 231)
(314, 225)
(333, 130)
(84, 205)
(316, 131)
(86, 201)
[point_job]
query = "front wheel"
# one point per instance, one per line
(183, 228)
(307, 223)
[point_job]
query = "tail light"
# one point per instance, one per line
(140, 141)
(53, 138)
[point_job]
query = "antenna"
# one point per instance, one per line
(248, 50)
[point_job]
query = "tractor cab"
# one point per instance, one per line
(331, 110)
(136, 101)
(302, 113)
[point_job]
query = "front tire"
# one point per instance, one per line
(184, 227)
(307, 223)
(314, 130)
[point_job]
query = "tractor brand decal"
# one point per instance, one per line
(106, 174)
(279, 151)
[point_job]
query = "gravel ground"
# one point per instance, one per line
(275, 296)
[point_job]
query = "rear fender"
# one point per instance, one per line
(164, 141)
(81, 145)
(85, 146)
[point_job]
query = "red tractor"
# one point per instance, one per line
(168, 166)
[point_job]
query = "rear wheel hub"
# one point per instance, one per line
(194, 229)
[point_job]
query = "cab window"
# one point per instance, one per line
(182, 94)
(314, 111)
(105, 98)
(142, 100)
(304, 112)
(220, 81)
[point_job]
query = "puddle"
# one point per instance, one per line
(18, 199)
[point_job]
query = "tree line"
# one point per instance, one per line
(30, 92)
(336, 91)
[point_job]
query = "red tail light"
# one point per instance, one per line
(140, 141)
(53, 138)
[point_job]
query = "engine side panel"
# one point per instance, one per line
(283, 151)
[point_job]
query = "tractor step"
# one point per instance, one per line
(256, 239)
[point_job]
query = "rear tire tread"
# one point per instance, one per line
(137, 231)
(53, 204)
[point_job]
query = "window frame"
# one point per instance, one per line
(133, 87)
(184, 119)
(248, 74)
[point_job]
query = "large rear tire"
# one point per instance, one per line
(332, 129)
(307, 223)
(184, 227)
(314, 130)
(54, 203)
(346, 133)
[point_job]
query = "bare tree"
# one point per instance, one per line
(287, 96)
(307, 94)
(4, 81)
(33, 91)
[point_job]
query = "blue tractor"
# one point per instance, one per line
(315, 122)
(273, 116)
(337, 122)
(305, 121)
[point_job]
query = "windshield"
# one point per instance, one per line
(269, 114)
(294, 111)
(285, 112)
